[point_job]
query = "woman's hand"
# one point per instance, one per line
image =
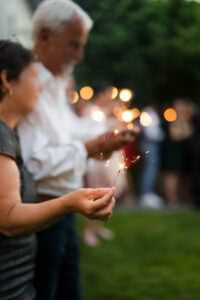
(93, 203)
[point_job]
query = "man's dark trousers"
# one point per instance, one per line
(57, 264)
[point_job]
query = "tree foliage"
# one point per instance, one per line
(151, 46)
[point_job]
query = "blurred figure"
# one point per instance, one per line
(152, 135)
(193, 158)
(174, 159)
(99, 110)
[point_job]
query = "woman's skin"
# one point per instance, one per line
(16, 217)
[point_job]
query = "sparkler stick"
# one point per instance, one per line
(123, 165)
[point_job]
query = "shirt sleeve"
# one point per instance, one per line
(44, 158)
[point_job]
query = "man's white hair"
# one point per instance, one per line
(54, 14)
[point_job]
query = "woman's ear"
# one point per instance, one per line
(5, 85)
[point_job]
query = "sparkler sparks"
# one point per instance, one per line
(123, 166)
(136, 159)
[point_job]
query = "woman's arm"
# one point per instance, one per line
(19, 218)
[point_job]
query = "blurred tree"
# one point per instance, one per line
(152, 47)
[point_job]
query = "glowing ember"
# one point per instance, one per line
(145, 119)
(98, 115)
(125, 95)
(136, 159)
(170, 115)
(86, 92)
(75, 98)
(127, 116)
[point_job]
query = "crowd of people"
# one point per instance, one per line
(166, 173)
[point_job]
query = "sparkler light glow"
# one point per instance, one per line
(123, 166)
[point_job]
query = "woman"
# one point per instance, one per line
(19, 216)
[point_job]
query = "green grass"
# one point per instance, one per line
(153, 256)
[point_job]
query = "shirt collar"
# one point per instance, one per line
(44, 74)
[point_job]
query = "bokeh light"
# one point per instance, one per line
(117, 111)
(86, 92)
(75, 97)
(125, 95)
(97, 115)
(145, 119)
(170, 115)
(116, 131)
(127, 116)
(136, 112)
(130, 126)
(115, 93)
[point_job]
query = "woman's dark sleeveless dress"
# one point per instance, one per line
(17, 253)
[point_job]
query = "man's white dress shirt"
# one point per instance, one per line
(50, 139)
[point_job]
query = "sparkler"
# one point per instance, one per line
(122, 165)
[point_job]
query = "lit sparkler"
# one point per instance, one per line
(123, 166)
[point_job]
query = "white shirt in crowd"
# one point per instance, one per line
(153, 132)
(50, 139)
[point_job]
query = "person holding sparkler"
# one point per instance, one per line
(20, 216)
(54, 157)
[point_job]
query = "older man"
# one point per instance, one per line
(57, 161)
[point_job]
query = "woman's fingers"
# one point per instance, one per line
(98, 193)
(103, 202)
(106, 213)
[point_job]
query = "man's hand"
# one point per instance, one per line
(94, 203)
(103, 146)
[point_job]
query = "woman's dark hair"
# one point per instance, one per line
(14, 58)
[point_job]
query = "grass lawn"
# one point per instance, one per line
(153, 256)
